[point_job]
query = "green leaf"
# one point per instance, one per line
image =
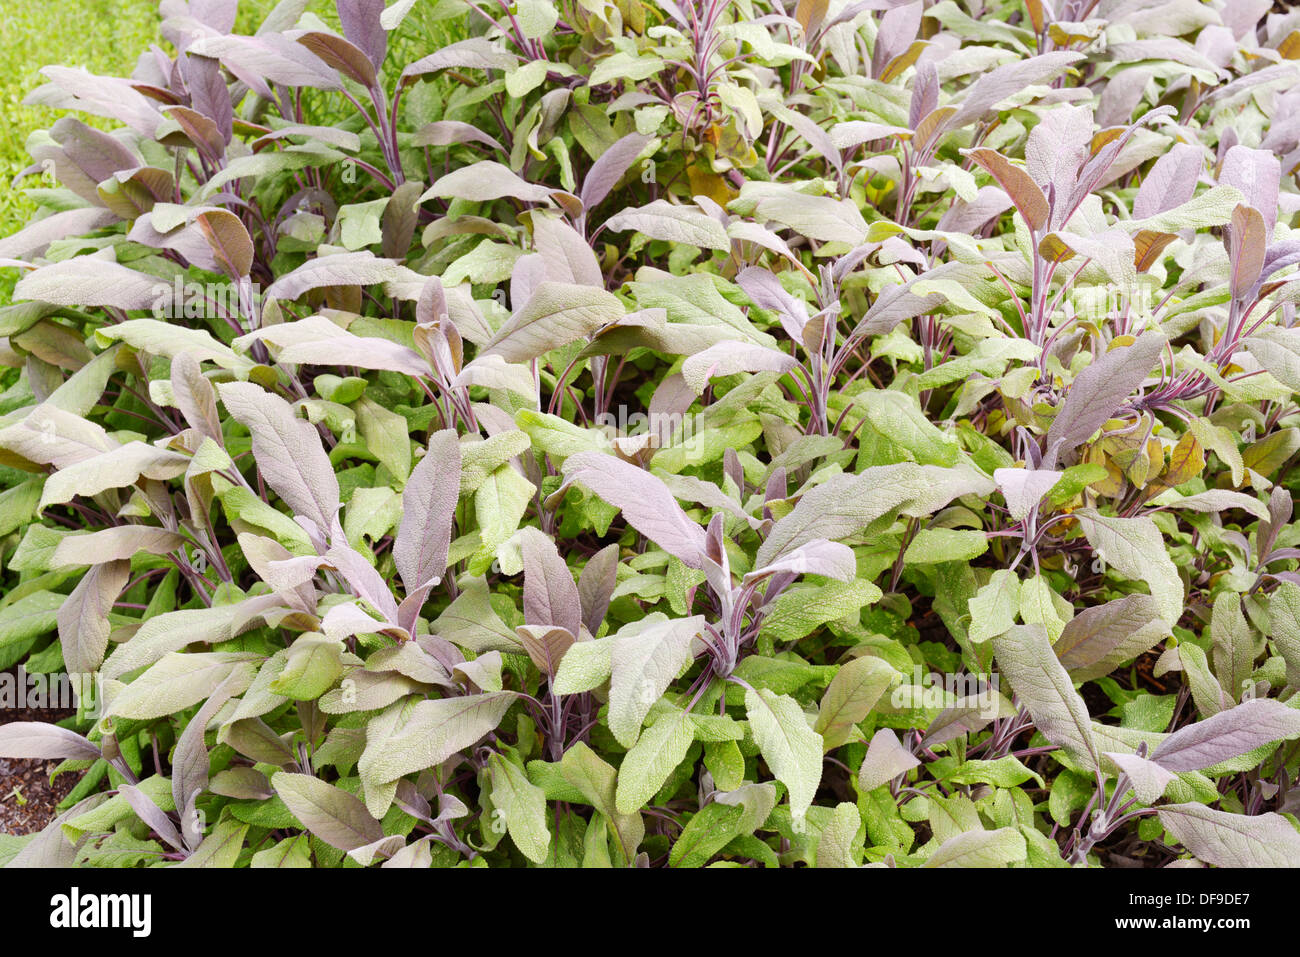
(332, 814)
(725, 763)
(840, 844)
(790, 747)
(1004, 772)
(595, 780)
(556, 314)
(1026, 658)
(179, 681)
(386, 435)
(170, 339)
(499, 504)
(1040, 605)
(1135, 547)
(313, 665)
(523, 805)
(993, 609)
(851, 695)
(656, 753)
(433, 731)
(676, 224)
(291, 852)
(839, 507)
(1235, 646)
(898, 419)
(709, 831)
(933, 546)
(980, 849)
(479, 458)
(801, 610)
(586, 665)
(1284, 627)
(29, 616)
(885, 760)
(359, 224)
(644, 658)
(220, 848)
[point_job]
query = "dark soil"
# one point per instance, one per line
(27, 799)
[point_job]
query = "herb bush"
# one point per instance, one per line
(655, 434)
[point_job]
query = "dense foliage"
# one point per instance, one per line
(665, 434)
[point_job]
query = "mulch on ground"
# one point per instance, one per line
(27, 799)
